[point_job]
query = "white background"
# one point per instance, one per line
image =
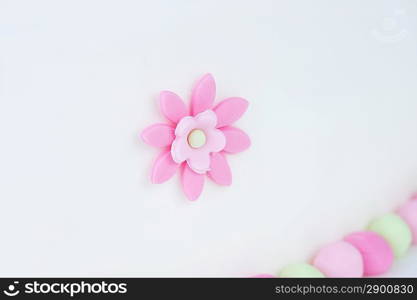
(332, 87)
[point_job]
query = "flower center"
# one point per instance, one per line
(197, 138)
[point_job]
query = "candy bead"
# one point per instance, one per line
(395, 231)
(300, 270)
(339, 259)
(408, 211)
(376, 253)
(197, 138)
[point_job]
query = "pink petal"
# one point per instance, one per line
(172, 106)
(185, 126)
(180, 150)
(230, 110)
(216, 140)
(206, 119)
(192, 183)
(158, 135)
(203, 94)
(236, 140)
(163, 168)
(220, 171)
(199, 161)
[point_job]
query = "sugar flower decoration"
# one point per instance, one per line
(196, 140)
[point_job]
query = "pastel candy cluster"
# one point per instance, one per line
(365, 253)
(376, 253)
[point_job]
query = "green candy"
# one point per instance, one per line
(300, 270)
(395, 231)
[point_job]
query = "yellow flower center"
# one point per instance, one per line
(197, 138)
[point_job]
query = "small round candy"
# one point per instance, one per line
(300, 270)
(376, 253)
(339, 259)
(395, 231)
(197, 138)
(408, 211)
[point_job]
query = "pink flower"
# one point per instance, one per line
(195, 138)
(197, 141)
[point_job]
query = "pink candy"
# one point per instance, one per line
(339, 259)
(408, 211)
(263, 276)
(376, 253)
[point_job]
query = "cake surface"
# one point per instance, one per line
(332, 119)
